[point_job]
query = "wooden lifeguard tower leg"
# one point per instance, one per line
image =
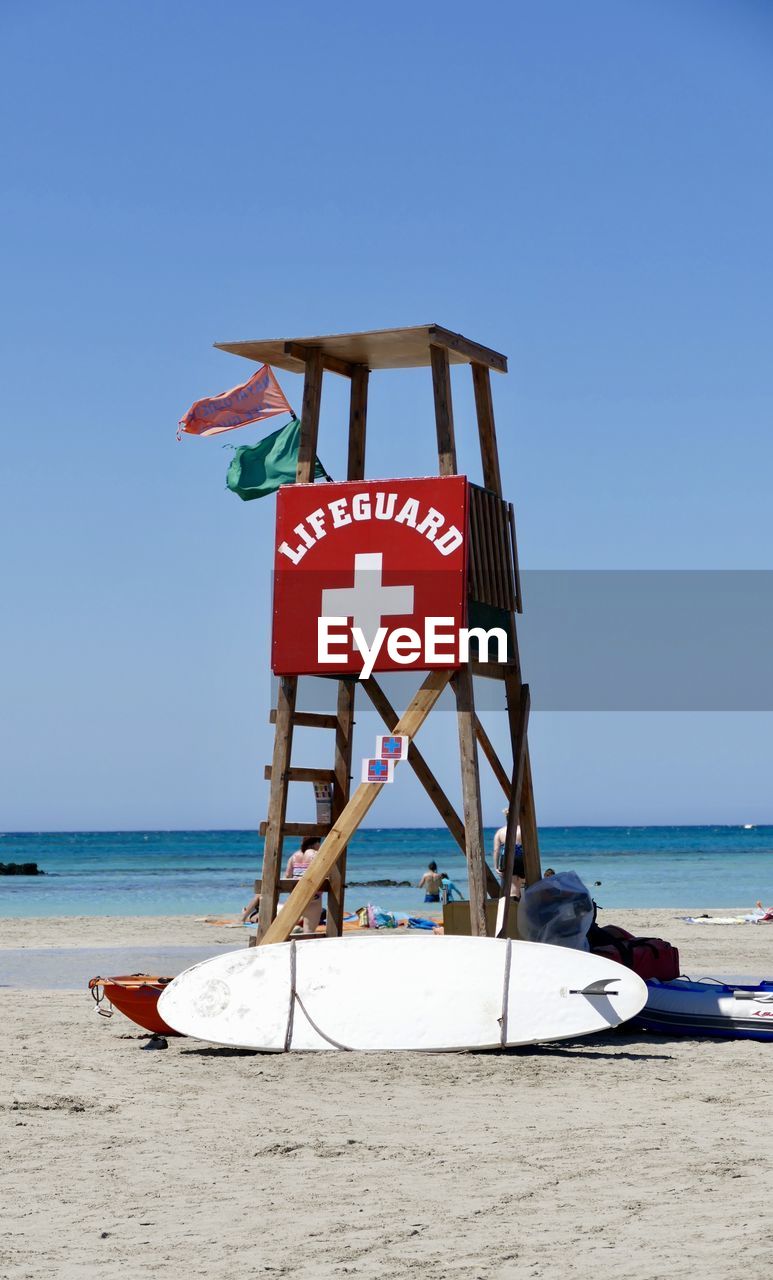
(528, 816)
(288, 685)
(492, 479)
(277, 802)
(355, 470)
(473, 818)
(516, 791)
(462, 681)
(341, 783)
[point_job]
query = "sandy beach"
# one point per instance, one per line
(609, 1154)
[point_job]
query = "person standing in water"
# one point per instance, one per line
(430, 882)
(448, 889)
(519, 878)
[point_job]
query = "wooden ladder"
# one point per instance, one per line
(280, 773)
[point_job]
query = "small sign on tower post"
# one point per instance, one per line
(375, 770)
(392, 746)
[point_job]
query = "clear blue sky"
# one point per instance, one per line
(586, 187)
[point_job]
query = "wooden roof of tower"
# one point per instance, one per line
(377, 349)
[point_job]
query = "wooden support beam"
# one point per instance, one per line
(300, 829)
(488, 670)
(341, 787)
(444, 412)
(312, 397)
(529, 832)
(528, 817)
(343, 829)
(513, 813)
(309, 720)
(297, 773)
(484, 408)
(426, 777)
(332, 363)
(489, 752)
(472, 351)
(473, 819)
(277, 801)
(358, 413)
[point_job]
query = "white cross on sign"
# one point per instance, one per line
(367, 601)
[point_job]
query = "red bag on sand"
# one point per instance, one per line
(651, 958)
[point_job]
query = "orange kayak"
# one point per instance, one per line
(136, 996)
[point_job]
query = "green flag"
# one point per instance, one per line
(259, 469)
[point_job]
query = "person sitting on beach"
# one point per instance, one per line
(430, 882)
(519, 876)
(448, 888)
(252, 910)
(297, 864)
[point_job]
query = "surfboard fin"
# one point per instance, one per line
(598, 988)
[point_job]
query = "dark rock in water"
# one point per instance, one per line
(378, 884)
(20, 869)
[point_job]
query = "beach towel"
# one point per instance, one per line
(757, 917)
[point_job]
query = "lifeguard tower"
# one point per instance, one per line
(492, 596)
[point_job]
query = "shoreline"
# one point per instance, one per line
(701, 948)
(189, 930)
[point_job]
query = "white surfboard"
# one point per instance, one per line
(426, 993)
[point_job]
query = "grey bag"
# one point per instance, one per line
(557, 910)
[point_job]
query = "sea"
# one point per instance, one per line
(150, 873)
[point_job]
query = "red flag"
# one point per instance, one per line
(259, 398)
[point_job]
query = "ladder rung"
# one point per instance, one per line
(300, 829)
(310, 719)
(295, 774)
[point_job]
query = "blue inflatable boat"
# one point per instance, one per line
(740, 1009)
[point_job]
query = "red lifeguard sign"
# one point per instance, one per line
(370, 576)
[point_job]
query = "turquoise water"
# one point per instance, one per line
(202, 872)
